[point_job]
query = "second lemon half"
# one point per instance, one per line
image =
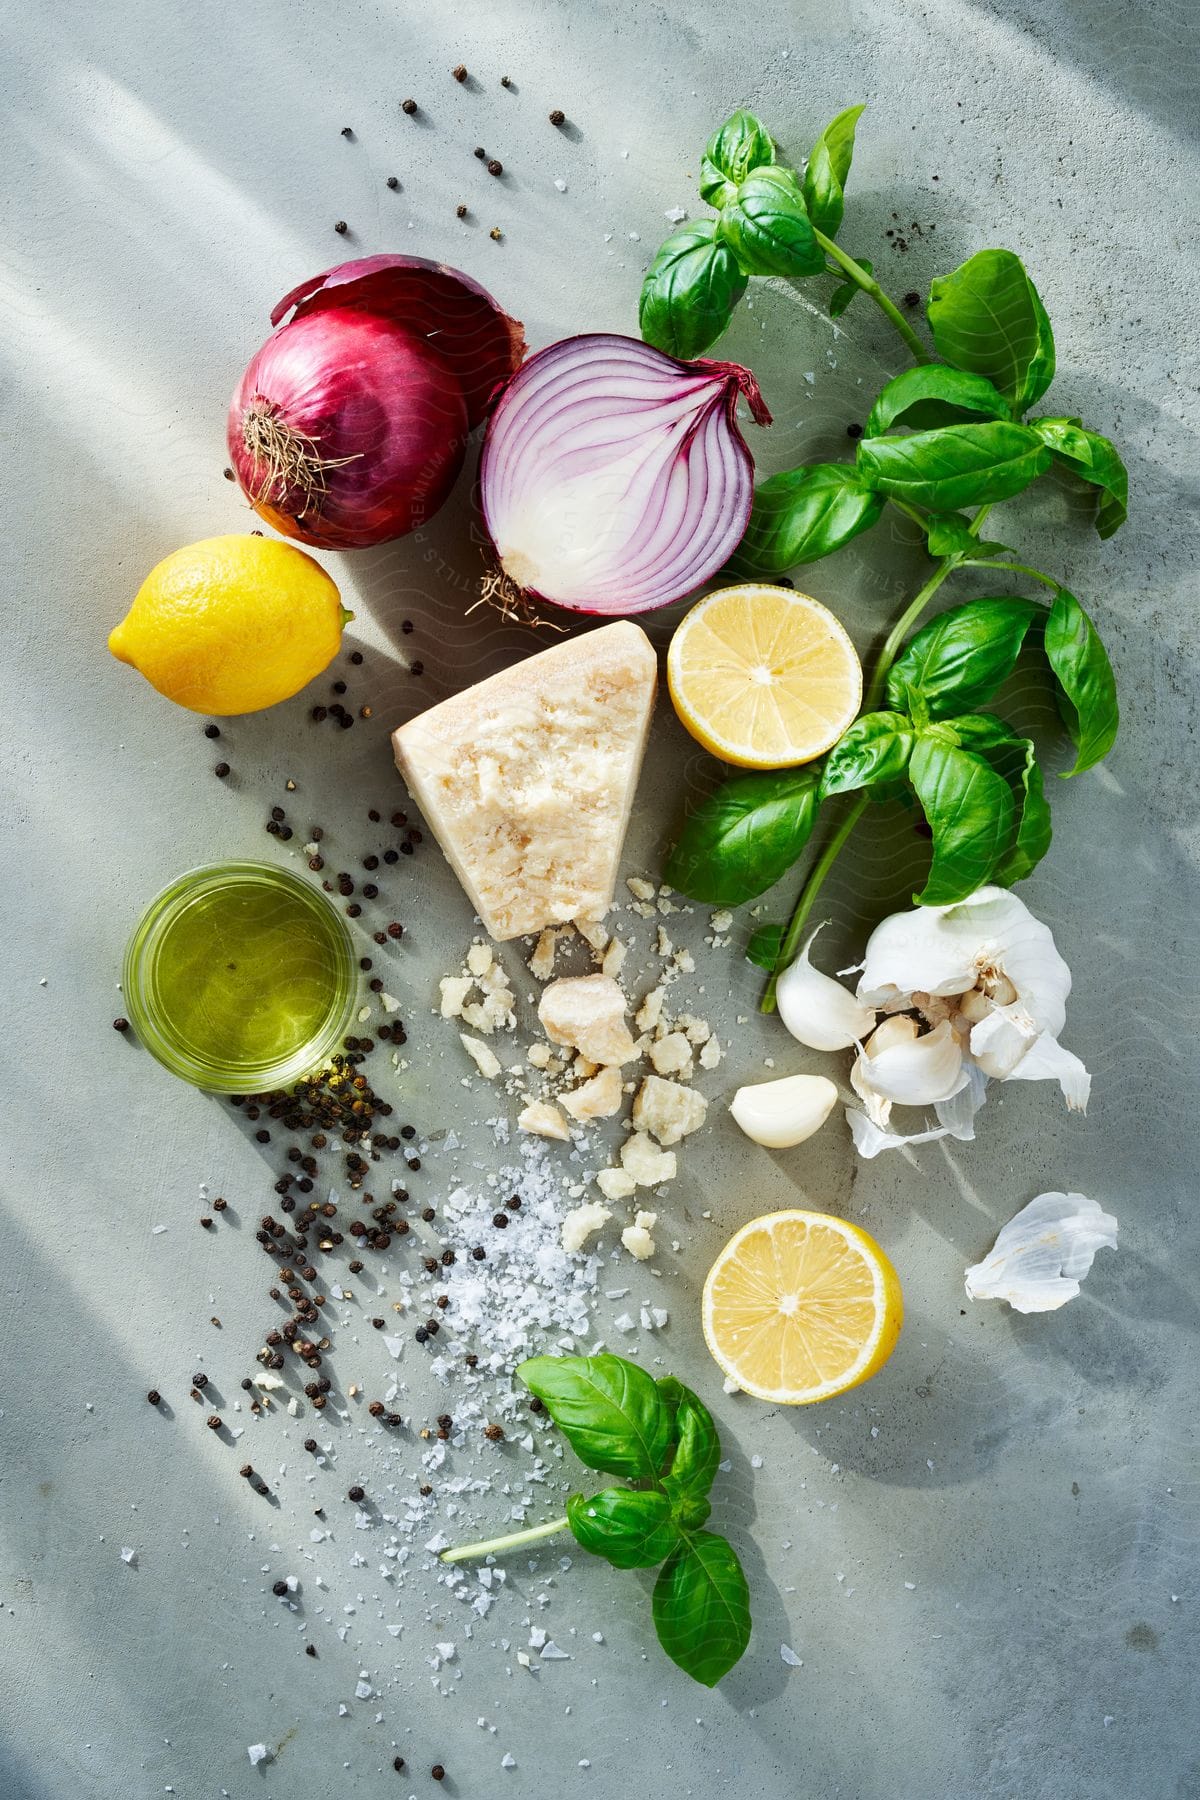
(764, 677)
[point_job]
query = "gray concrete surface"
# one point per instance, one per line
(167, 173)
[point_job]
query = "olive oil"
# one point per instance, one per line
(241, 977)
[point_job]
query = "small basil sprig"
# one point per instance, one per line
(772, 221)
(741, 839)
(987, 317)
(661, 1436)
(618, 1419)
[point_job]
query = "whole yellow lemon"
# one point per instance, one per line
(232, 624)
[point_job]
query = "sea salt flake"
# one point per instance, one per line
(788, 1655)
(258, 1753)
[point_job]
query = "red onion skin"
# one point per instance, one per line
(323, 376)
(739, 384)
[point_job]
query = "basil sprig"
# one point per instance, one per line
(975, 778)
(621, 1421)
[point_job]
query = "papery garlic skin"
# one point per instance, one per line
(779, 1114)
(1040, 1257)
(817, 1010)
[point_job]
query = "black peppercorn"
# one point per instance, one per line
(495, 166)
(495, 1433)
(221, 771)
(310, 1649)
(854, 431)
(479, 1252)
(392, 182)
(341, 227)
(120, 1024)
(310, 1444)
(500, 1220)
(438, 1773)
(912, 298)
(279, 1588)
(200, 1380)
(355, 1494)
(213, 1422)
(397, 1763)
(459, 71)
(154, 1397)
(558, 116)
(420, 1334)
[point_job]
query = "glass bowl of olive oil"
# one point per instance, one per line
(241, 978)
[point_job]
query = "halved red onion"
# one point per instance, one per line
(615, 478)
(350, 425)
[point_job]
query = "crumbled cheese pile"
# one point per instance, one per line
(587, 1065)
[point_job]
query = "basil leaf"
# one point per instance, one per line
(767, 228)
(969, 809)
(1094, 460)
(609, 1410)
(1086, 683)
(630, 1529)
(742, 143)
(766, 941)
(1015, 758)
(841, 296)
(949, 534)
(741, 839)
(697, 1455)
(702, 1607)
(960, 658)
(875, 748)
(987, 317)
(803, 514)
(933, 395)
(690, 291)
(958, 465)
(826, 171)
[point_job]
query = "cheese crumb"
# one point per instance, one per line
(584, 1222)
(543, 1120)
(650, 1011)
(721, 921)
(645, 1162)
(641, 890)
(539, 1055)
(454, 990)
(541, 963)
(593, 933)
(615, 1184)
(710, 1055)
(598, 1098)
(614, 958)
(588, 1013)
(484, 1059)
(666, 1110)
(636, 1237)
(672, 1055)
(479, 959)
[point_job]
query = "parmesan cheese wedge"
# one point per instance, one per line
(527, 779)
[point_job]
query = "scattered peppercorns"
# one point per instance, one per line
(154, 1397)
(558, 116)
(341, 227)
(393, 183)
(438, 1773)
(409, 107)
(221, 771)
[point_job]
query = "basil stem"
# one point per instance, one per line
(893, 644)
(861, 279)
(493, 1546)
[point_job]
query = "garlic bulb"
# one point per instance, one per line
(1041, 1256)
(781, 1113)
(910, 1070)
(818, 1010)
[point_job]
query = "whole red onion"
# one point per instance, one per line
(350, 425)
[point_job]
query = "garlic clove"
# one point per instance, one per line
(975, 1006)
(818, 1010)
(899, 1029)
(781, 1113)
(912, 1072)
(1040, 1257)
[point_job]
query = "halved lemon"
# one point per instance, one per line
(800, 1306)
(764, 677)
